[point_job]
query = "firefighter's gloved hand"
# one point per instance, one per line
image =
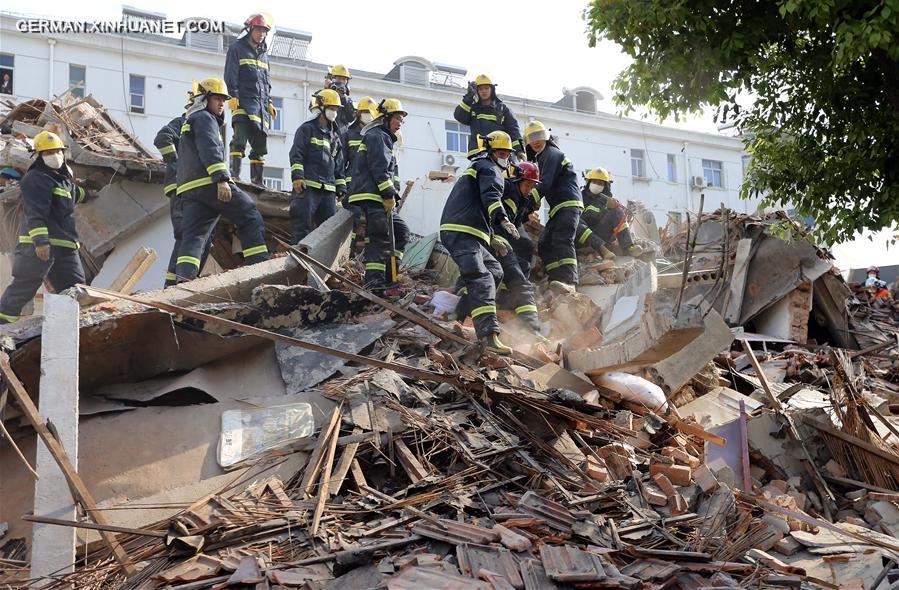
(299, 186)
(42, 251)
(389, 205)
(499, 246)
(522, 157)
(233, 104)
(272, 111)
(510, 228)
(224, 191)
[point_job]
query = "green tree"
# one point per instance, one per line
(821, 78)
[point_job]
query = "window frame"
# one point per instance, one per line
(12, 70)
(709, 171)
(672, 167)
(642, 163)
(131, 94)
(462, 133)
(277, 183)
(82, 91)
(278, 123)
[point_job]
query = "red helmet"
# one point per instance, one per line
(527, 171)
(258, 20)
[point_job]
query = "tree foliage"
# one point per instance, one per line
(821, 78)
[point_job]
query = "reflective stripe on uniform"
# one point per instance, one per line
(560, 262)
(185, 128)
(316, 184)
(170, 187)
(355, 142)
(466, 229)
(53, 242)
(257, 161)
(362, 148)
(81, 194)
(254, 62)
(586, 234)
(482, 310)
(493, 207)
(512, 206)
(384, 185)
(218, 166)
(61, 192)
(488, 117)
(465, 107)
(474, 151)
(170, 276)
(167, 149)
(566, 162)
(398, 254)
(592, 208)
(236, 154)
(206, 180)
(526, 309)
(471, 172)
(563, 204)
(365, 197)
(340, 182)
(261, 249)
(535, 195)
(189, 260)
(9, 318)
(321, 142)
(375, 266)
(38, 231)
(621, 226)
(296, 167)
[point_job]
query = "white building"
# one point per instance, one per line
(142, 79)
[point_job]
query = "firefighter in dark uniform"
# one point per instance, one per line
(604, 219)
(484, 113)
(252, 111)
(351, 139)
(375, 188)
(559, 186)
(338, 79)
(48, 242)
(316, 167)
(206, 188)
(473, 212)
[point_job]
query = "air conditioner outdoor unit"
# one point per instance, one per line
(450, 160)
(698, 182)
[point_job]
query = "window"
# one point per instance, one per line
(638, 164)
(415, 73)
(136, 93)
(457, 137)
(77, 77)
(278, 123)
(672, 168)
(273, 178)
(585, 102)
(6, 73)
(711, 170)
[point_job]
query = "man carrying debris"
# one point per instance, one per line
(48, 241)
(604, 219)
(166, 142)
(316, 164)
(338, 80)
(205, 187)
(366, 111)
(558, 185)
(484, 113)
(246, 73)
(375, 188)
(473, 210)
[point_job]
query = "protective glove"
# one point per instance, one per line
(42, 251)
(272, 111)
(233, 103)
(389, 205)
(499, 246)
(522, 157)
(510, 228)
(224, 191)
(340, 192)
(299, 186)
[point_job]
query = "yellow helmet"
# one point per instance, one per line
(326, 98)
(339, 70)
(483, 80)
(367, 103)
(47, 140)
(389, 106)
(214, 86)
(598, 174)
(495, 140)
(535, 130)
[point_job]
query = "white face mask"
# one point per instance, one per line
(54, 161)
(595, 188)
(331, 115)
(502, 162)
(365, 118)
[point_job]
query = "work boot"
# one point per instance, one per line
(560, 288)
(491, 343)
(636, 250)
(606, 253)
(236, 161)
(256, 174)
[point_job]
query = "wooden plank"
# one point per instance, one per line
(738, 281)
(316, 460)
(856, 442)
(326, 475)
(358, 475)
(136, 268)
(95, 527)
(79, 489)
(18, 451)
(414, 469)
(343, 465)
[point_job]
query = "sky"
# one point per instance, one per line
(530, 49)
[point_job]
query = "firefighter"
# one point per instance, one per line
(252, 111)
(375, 188)
(604, 219)
(166, 142)
(484, 113)
(316, 163)
(48, 241)
(338, 79)
(521, 200)
(472, 214)
(558, 185)
(366, 111)
(206, 188)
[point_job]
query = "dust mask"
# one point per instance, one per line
(331, 115)
(365, 118)
(54, 161)
(595, 188)
(502, 162)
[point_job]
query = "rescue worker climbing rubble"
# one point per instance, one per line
(351, 140)
(207, 189)
(468, 229)
(48, 241)
(604, 219)
(484, 113)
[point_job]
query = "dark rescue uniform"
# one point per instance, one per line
(601, 225)
(484, 119)
(316, 157)
(247, 78)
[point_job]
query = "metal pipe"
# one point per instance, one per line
(687, 178)
(52, 44)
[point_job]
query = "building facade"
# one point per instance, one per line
(142, 79)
